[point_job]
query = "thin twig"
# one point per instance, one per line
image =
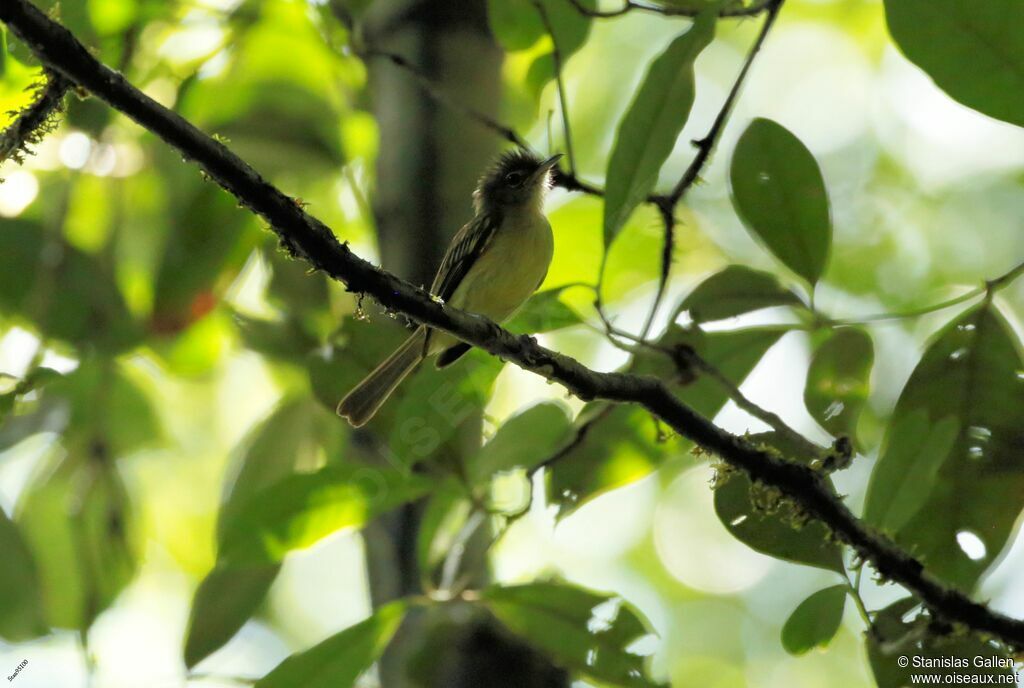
(705, 147)
(669, 11)
(556, 58)
(990, 286)
(310, 239)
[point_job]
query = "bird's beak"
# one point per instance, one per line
(545, 167)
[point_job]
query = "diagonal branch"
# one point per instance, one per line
(309, 238)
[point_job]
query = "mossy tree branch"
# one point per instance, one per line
(310, 239)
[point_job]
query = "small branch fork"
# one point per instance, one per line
(310, 239)
(632, 5)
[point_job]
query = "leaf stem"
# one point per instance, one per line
(563, 106)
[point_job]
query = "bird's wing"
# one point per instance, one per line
(466, 247)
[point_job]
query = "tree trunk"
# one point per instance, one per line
(428, 164)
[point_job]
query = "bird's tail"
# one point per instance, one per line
(362, 402)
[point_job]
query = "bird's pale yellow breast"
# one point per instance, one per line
(511, 268)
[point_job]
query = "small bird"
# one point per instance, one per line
(492, 266)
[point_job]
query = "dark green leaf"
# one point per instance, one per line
(900, 634)
(301, 509)
(815, 621)
(338, 661)
(780, 195)
(544, 312)
(734, 291)
(971, 49)
(209, 239)
(950, 484)
(21, 605)
(524, 441)
(651, 125)
(446, 512)
(623, 444)
(283, 339)
(838, 381)
(759, 518)
(63, 292)
(583, 631)
(223, 602)
(76, 520)
(433, 404)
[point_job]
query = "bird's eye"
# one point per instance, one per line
(514, 178)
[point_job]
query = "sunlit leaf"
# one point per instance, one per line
(780, 195)
(76, 519)
(815, 621)
(956, 503)
(299, 510)
(517, 24)
(585, 632)
(972, 50)
(624, 444)
(21, 606)
(544, 312)
(734, 291)
(522, 441)
(903, 653)
(338, 661)
(760, 518)
(299, 435)
(651, 125)
(838, 381)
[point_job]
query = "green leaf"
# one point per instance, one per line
(223, 602)
(618, 444)
(446, 512)
(780, 195)
(585, 632)
(544, 312)
(518, 26)
(972, 50)
(65, 293)
(108, 409)
(838, 381)
(759, 518)
(433, 404)
(950, 469)
(296, 436)
(899, 634)
(76, 520)
(282, 340)
(815, 621)
(208, 242)
(21, 605)
(524, 441)
(338, 661)
(651, 126)
(734, 291)
(299, 510)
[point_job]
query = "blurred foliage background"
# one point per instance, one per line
(162, 360)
